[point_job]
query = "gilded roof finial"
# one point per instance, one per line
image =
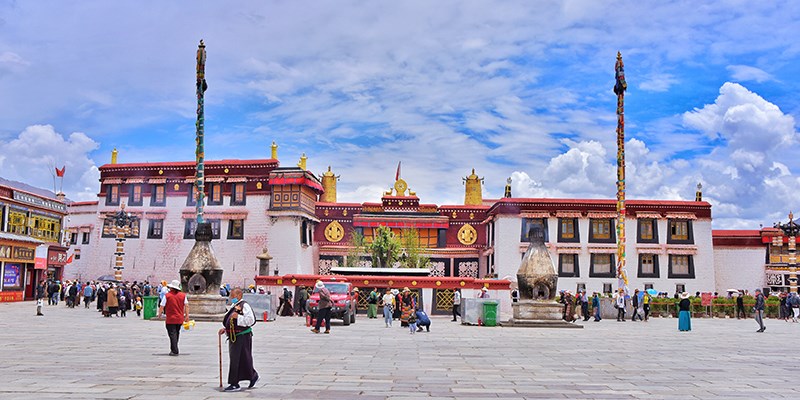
(114, 154)
(274, 155)
(302, 163)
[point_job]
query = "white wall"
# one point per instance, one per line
(739, 267)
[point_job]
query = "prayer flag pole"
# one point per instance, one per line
(619, 89)
(199, 183)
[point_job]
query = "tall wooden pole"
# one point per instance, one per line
(619, 89)
(200, 125)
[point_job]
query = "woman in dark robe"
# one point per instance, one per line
(398, 300)
(286, 298)
(569, 307)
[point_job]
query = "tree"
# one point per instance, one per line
(385, 247)
(413, 253)
(356, 249)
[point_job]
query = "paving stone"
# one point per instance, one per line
(76, 354)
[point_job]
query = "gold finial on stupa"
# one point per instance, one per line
(274, 147)
(302, 163)
(473, 193)
(329, 187)
(114, 154)
(698, 196)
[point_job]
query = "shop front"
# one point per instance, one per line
(16, 264)
(56, 260)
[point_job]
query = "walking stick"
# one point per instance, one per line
(219, 342)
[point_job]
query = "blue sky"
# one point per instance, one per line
(519, 89)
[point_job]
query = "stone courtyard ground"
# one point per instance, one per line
(76, 354)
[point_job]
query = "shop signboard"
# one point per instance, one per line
(55, 257)
(40, 259)
(11, 275)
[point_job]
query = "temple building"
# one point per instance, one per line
(32, 244)
(257, 204)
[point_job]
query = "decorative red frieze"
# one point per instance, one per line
(399, 282)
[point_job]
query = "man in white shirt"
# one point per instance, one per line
(238, 325)
(456, 304)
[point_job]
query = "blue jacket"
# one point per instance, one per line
(422, 318)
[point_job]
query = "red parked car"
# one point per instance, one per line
(344, 303)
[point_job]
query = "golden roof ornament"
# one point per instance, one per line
(473, 193)
(274, 148)
(302, 162)
(328, 186)
(114, 154)
(507, 193)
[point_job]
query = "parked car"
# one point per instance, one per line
(344, 304)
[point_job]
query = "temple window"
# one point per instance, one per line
(606, 288)
(568, 230)
(680, 231)
(215, 227)
(73, 237)
(600, 231)
(86, 237)
(112, 195)
(238, 194)
(215, 194)
(602, 266)
(156, 229)
(681, 266)
(648, 231)
(568, 266)
(191, 198)
(236, 229)
(158, 197)
(17, 222)
(530, 225)
(135, 195)
(648, 266)
(189, 227)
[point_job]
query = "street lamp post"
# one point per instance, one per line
(791, 229)
(121, 228)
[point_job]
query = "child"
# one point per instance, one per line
(138, 306)
(412, 323)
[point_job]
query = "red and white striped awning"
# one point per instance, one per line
(112, 181)
(601, 214)
(568, 214)
(237, 179)
(679, 215)
(682, 250)
(648, 214)
(157, 181)
(535, 214)
(134, 180)
(603, 249)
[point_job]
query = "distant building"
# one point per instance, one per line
(31, 247)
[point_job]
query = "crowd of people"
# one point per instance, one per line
(113, 299)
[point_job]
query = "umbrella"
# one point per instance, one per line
(107, 278)
(733, 290)
(652, 292)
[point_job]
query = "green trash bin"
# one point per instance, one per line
(149, 306)
(490, 313)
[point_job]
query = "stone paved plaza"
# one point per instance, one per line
(76, 354)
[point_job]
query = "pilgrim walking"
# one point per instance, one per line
(685, 313)
(175, 306)
(238, 326)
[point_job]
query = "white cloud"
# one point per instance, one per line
(658, 82)
(746, 73)
(32, 156)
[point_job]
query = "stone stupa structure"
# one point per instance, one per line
(537, 279)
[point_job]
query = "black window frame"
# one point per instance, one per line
(577, 236)
(690, 275)
(109, 191)
(214, 187)
(576, 273)
(131, 188)
(189, 227)
(608, 286)
(612, 269)
(190, 199)
(231, 236)
(656, 270)
(73, 237)
(243, 200)
(216, 228)
(639, 238)
(612, 232)
(153, 197)
(689, 232)
(86, 237)
(152, 226)
(527, 224)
